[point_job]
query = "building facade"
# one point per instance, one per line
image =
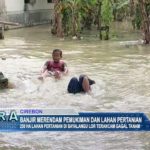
(27, 12)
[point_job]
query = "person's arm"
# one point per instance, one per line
(85, 85)
(44, 68)
(44, 71)
(65, 72)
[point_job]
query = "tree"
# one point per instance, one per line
(74, 6)
(57, 26)
(67, 17)
(107, 16)
(145, 20)
(120, 9)
(139, 12)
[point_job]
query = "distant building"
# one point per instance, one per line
(27, 12)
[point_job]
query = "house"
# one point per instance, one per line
(27, 12)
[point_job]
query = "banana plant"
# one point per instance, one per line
(57, 25)
(73, 7)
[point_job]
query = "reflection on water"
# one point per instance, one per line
(122, 76)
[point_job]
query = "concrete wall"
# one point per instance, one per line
(41, 4)
(2, 10)
(14, 5)
(28, 14)
(18, 5)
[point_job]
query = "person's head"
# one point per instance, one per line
(3, 81)
(57, 55)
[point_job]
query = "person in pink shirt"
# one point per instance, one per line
(55, 67)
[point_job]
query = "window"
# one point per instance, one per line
(26, 1)
(49, 1)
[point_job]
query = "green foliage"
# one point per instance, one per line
(120, 9)
(123, 3)
(138, 18)
(107, 12)
(148, 8)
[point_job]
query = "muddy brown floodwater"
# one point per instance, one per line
(122, 75)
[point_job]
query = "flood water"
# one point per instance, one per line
(121, 72)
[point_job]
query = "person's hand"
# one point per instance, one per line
(40, 78)
(57, 74)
